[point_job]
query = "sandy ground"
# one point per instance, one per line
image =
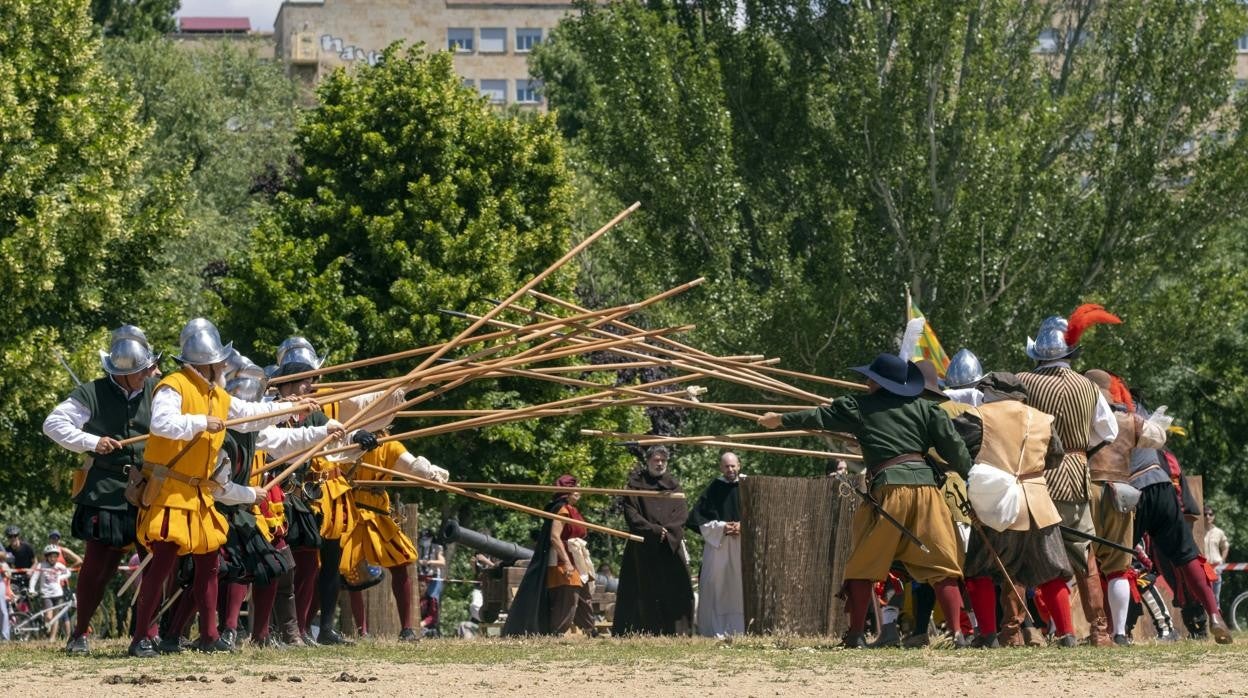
(800, 671)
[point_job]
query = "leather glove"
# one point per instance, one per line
(429, 471)
(365, 440)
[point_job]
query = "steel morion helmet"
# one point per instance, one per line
(964, 370)
(245, 380)
(298, 350)
(1050, 342)
(128, 352)
(201, 344)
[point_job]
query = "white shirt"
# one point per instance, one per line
(282, 441)
(47, 579)
(64, 424)
(169, 422)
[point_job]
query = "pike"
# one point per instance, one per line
(879, 509)
(1096, 539)
(965, 505)
(609, 491)
(61, 357)
(461, 338)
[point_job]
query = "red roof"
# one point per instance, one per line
(214, 24)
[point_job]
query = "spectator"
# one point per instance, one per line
(429, 613)
(1217, 547)
(68, 557)
(6, 594)
(48, 580)
(23, 554)
(432, 564)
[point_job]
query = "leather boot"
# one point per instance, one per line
(1093, 601)
(1011, 630)
(889, 637)
(284, 613)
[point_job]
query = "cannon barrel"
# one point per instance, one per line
(509, 553)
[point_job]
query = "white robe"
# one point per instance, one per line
(721, 603)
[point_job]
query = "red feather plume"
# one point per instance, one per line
(1085, 316)
(1120, 394)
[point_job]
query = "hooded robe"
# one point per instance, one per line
(655, 594)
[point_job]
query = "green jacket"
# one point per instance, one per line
(887, 426)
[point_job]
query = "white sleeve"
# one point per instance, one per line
(1104, 424)
(64, 426)
(1151, 435)
(349, 408)
(713, 533)
(246, 408)
(421, 467)
(231, 492)
(168, 420)
(282, 441)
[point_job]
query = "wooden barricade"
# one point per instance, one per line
(795, 537)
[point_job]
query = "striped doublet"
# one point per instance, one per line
(1071, 399)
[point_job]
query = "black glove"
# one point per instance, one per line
(365, 440)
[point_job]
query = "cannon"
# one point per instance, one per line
(508, 553)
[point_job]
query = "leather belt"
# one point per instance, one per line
(895, 460)
(325, 475)
(375, 510)
(160, 472)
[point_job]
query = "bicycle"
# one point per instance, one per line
(35, 624)
(1239, 612)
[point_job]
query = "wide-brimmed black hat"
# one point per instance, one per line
(894, 374)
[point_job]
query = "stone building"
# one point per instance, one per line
(491, 38)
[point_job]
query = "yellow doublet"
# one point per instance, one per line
(270, 516)
(337, 509)
(175, 511)
(376, 537)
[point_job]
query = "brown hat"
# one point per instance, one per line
(931, 381)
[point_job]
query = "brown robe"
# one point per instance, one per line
(655, 595)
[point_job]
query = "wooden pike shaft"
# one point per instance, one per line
(364, 414)
(517, 414)
(530, 488)
(686, 348)
(721, 368)
(446, 487)
(463, 376)
(647, 439)
(828, 455)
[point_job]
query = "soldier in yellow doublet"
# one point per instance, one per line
(377, 539)
(184, 480)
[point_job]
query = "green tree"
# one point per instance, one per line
(225, 117)
(411, 195)
(135, 19)
(1008, 160)
(77, 220)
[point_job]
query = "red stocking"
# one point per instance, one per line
(983, 595)
(1056, 597)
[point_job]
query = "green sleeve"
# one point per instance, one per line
(948, 444)
(841, 415)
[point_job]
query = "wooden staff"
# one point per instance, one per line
(465, 374)
(134, 575)
(462, 337)
(724, 368)
(614, 492)
(446, 487)
(729, 374)
(520, 414)
(644, 439)
(769, 449)
(677, 345)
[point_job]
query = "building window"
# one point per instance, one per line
(469, 83)
(1241, 44)
(526, 39)
(1049, 40)
(459, 40)
(493, 40)
(526, 91)
(495, 90)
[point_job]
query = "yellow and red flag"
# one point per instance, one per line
(928, 346)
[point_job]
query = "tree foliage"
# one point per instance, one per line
(135, 19)
(77, 218)
(1007, 160)
(411, 195)
(224, 117)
